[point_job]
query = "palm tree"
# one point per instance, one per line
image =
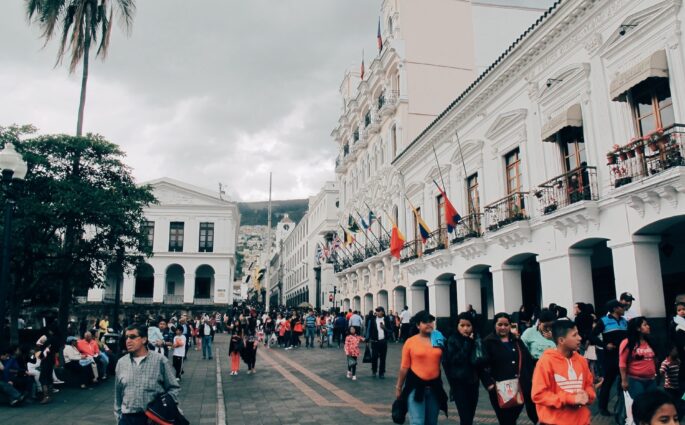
(82, 22)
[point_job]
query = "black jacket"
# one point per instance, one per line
(202, 330)
(503, 363)
(372, 329)
(457, 361)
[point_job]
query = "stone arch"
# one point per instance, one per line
(591, 269)
(204, 281)
(382, 300)
(475, 289)
(174, 284)
(145, 281)
(418, 296)
(399, 298)
(443, 298)
(368, 303)
(357, 303)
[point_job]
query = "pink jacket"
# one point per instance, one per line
(352, 345)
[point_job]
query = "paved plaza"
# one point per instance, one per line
(301, 386)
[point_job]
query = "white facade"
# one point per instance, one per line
(550, 220)
(305, 279)
(194, 235)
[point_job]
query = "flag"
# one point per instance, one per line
(348, 238)
(372, 218)
(365, 225)
(423, 227)
(396, 241)
(326, 252)
(337, 243)
(362, 70)
(318, 253)
(379, 37)
(452, 217)
(352, 225)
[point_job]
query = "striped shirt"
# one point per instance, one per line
(137, 385)
(670, 372)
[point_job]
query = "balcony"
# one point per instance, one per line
(508, 210)
(436, 241)
(411, 250)
(389, 103)
(142, 300)
(469, 227)
(574, 186)
(647, 156)
(109, 298)
(204, 301)
(375, 124)
(173, 299)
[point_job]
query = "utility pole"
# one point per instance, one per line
(268, 251)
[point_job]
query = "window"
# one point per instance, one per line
(393, 141)
(176, 236)
(206, 237)
(417, 233)
(513, 164)
(572, 148)
(652, 105)
(148, 230)
(474, 199)
(440, 201)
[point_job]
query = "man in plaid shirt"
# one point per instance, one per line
(140, 376)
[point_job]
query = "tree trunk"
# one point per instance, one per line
(84, 78)
(14, 322)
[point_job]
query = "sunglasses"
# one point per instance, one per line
(132, 336)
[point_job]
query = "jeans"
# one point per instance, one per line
(309, 337)
(207, 347)
(177, 362)
(638, 386)
(11, 392)
(379, 350)
(103, 363)
(611, 372)
(466, 399)
(133, 419)
(425, 412)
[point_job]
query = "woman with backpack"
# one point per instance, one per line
(461, 362)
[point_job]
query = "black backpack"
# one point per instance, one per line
(163, 410)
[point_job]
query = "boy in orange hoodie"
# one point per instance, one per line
(562, 382)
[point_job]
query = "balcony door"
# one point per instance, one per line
(516, 204)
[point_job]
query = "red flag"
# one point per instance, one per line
(396, 241)
(452, 217)
(362, 70)
(379, 37)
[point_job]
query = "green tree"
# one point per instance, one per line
(81, 22)
(76, 210)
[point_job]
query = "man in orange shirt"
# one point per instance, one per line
(562, 382)
(90, 348)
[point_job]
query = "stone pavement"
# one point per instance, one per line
(301, 386)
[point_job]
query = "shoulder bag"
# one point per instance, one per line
(367, 354)
(509, 391)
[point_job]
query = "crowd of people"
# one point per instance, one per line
(537, 360)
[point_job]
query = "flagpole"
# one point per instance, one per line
(268, 252)
(398, 228)
(379, 222)
(369, 229)
(468, 189)
(444, 187)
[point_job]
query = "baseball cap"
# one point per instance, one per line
(611, 305)
(379, 308)
(627, 296)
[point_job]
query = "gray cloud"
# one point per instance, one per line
(204, 91)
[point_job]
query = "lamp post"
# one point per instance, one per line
(13, 166)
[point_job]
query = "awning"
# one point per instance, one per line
(653, 66)
(571, 117)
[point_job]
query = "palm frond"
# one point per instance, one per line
(67, 22)
(126, 12)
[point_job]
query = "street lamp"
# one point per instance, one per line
(13, 166)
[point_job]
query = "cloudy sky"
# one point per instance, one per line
(203, 91)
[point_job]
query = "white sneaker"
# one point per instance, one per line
(354, 378)
(57, 382)
(349, 375)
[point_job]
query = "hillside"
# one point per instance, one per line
(255, 213)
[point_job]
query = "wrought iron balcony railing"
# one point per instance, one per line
(469, 227)
(510, 209)
(390, 101)
(173, 299)
(204, 301)
(411, 250)
(142, 300)
(436, 241)
(574, 186)
(647, 156)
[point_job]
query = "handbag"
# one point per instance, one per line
(163, 410)
(509, 391)
(367, 354)
(399, 410)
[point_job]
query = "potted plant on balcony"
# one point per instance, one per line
(621, 176)
(654, 139)
(550, 207)
(538, 193)
(611, 155)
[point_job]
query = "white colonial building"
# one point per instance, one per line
(564, 157)
(304, 279)
(193, 233)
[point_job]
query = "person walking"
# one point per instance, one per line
(207, 337)
(418, 382)
(378, 332)
(352, 352)
(309, 329)
(235, 347)
(637, 359)
(655, 408)
(356, 321)
(251, 344)
(562, 382)
(179, 352)
(613, 329)
(461, 362)
(405, 319)
(539, 338)
(339, 327)
(508, 359)
(141, 375)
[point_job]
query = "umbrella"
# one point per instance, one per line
(305, 305)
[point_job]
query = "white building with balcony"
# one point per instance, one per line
(566, 160)
(304, 278)
(193, 233)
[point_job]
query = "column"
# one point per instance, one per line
(415, 299)
(468, 292)
(567, 278)
(506, 288)
(439, 298)
(637, 269)
(221, 288)
(128, 288)
(399, 294)
(158, 288)
(95, 295)
(189, 288)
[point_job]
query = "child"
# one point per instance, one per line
(179, 351)
(234, 349)
(670, 370)
(352, 351)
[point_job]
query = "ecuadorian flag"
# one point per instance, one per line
(423, 227)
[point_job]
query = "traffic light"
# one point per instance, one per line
(330, 297)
